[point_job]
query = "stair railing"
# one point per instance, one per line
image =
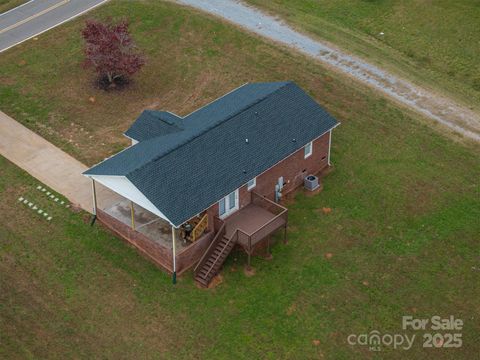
(218, 235)
(234, 238)
(200, 227)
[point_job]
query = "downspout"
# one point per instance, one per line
(174, 276)
(329, 146)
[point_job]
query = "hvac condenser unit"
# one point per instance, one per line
(311, 182)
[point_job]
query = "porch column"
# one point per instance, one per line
(174, 276)
(132, 212)
(94, 193)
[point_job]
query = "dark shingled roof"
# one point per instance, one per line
(152, 123)
(184, 172)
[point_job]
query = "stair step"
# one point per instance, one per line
(202, 282)
(214, 262)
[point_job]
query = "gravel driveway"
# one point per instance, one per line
(441, 109)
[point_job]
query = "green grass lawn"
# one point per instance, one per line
(6, 5)
(192, 59)
(433, 43)
(403, 231)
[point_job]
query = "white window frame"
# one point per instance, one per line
(252, 186)
(309, 153)
(229, 211)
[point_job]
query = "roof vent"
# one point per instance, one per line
(244, 171)
(256, 112)
(246, 140)
(294, 140)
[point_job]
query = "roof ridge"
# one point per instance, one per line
(205, 130)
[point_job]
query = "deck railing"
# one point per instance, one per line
(280, 220)
(267, 204)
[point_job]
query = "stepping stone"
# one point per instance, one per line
(20, 198)
(40, 211)
(45, 214)
(25, 201)
(39, 187)
(52, 196)
(62, 202)
(35, 207)
(49, 218)
(30, 204)
(56, 200)
(48, 192)
(43, 189)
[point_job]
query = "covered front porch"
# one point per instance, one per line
(146, 223)
(175, 249)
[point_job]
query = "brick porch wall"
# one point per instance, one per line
(160, 255)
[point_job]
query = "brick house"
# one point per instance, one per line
(191, 188)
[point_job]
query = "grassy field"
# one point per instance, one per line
(403, 229)
(10, 4)
(434, 43)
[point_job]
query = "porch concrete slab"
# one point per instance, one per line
(147, 223)
(122, 211)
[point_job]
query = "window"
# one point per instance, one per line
(231, 201)
(222, 207)
(228, 204)
(308, 150)
(252, 183)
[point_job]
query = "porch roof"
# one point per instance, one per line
(221, 147)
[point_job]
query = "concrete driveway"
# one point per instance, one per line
(37, 16)
(48, 164)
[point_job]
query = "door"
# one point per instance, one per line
(228, 204)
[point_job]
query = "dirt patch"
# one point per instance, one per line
(249, 272)
(217, 280)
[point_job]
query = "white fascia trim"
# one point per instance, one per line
(134, 141)
(124, 187)
(128, 137)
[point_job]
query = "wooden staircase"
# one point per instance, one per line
(213, 258)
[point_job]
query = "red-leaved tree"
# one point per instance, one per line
(111, 51)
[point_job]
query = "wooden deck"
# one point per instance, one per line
(252, 219)
(247, 227)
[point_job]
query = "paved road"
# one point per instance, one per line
(47, 163)
(37, 16)
(441, 109)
